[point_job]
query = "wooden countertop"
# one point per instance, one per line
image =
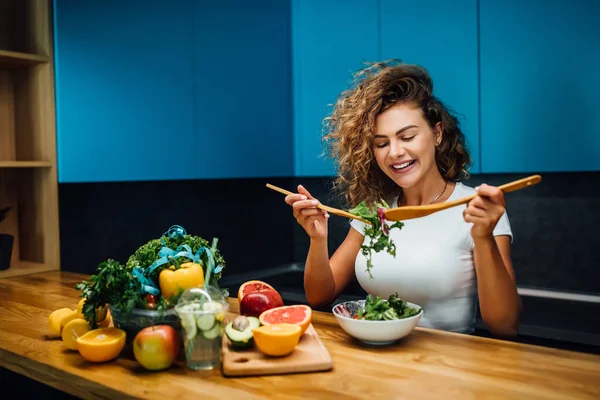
(428, 364)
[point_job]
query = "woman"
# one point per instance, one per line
(395, 141)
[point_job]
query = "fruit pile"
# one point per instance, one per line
(97, 345)
(265, 321)
(154, 347)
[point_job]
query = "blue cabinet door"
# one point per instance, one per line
(242, 80)
(330, 40)
(441, 36)
(540, 63)
(123, 94)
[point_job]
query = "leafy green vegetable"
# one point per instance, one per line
(147, 254)
(115, 283)
(378, 230)
(378, 309)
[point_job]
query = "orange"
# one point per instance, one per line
(297, 314)
(252, 286)
(103, 344)
(277, 339)
(72, 330)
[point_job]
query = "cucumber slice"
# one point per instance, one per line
(217, 308)
(205, 321)
(189, 327)
(214, 332)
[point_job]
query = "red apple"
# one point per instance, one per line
(254, 303)
(156, 347)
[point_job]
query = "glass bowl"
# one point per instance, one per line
(139, 319)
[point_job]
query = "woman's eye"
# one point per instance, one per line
(380, 145)
(408, 138)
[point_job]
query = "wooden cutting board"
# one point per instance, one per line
(310, 355)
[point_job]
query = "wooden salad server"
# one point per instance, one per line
(409, 212)
(331, 210)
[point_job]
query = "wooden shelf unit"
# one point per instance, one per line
(28, 175)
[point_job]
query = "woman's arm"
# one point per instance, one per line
(324, 278)
(498, 297)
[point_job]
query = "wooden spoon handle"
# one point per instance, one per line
(331, 210)
(507, 187)
(520, 184)
(278, 189)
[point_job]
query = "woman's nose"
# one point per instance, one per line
(396, 149)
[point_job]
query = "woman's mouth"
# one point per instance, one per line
(403, 167)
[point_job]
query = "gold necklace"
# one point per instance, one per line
(445, 186)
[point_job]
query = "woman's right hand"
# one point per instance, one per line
(311, 218)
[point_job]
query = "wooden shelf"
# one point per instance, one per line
(27, 136)
(25, 164)
(19, 268)
(15, 59)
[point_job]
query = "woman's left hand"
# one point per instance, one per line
(485, 210)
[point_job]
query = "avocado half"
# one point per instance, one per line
(239, 331)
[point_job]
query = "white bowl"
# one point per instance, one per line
(373, 332)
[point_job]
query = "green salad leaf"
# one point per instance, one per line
(377, 231)
(378, 309)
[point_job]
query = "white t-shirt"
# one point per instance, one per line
(433, 266)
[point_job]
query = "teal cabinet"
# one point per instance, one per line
(192, 89)
(441, 36)
(242, 80)
(540, 63)
(330, 40)
(125, 106)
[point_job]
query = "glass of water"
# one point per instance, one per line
(202, 312)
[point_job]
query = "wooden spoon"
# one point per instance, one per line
(331, 210)
(409, 212)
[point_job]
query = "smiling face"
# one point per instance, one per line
(404, 145)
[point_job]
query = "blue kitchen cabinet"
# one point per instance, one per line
(193, 89)
(442, 37)
(125, 105)
(540, 63)
(330, 40)
(243, 83)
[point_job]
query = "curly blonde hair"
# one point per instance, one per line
(350, 127)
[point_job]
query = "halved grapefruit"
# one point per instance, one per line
(252, 286)
(299, 314)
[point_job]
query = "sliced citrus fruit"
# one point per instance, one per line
(296, 314)
(103, 344)
(72, 330)
(252, 286)
(277, 339)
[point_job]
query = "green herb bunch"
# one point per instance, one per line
(377, 231)
(112, 284)
(115, 284)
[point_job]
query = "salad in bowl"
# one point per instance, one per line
(378, 321)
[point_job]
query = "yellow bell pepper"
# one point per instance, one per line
(188, 275)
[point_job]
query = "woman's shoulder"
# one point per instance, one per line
(462, 190)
